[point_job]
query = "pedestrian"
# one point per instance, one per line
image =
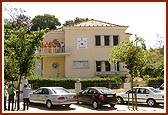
(26, 96)
(62, 47)
(5, 94)
(11, 91)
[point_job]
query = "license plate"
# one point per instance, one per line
(109, 95)
(71, 97)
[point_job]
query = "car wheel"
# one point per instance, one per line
(49, 104)
(151, 102)
(78, 102)
(120, 100)
(67, 105)
(95, 104)
(112, 105)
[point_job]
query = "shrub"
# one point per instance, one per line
(69, 83)
(154, 82)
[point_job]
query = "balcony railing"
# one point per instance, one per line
(51, 50)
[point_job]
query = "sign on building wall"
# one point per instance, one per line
(81, 42)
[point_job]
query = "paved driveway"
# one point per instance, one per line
(83, 108)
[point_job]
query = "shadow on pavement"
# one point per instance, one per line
(54, 108)
(145, 105)
(101, 108)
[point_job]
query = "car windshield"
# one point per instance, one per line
(59, 90)
(155, 90)
(105, 90)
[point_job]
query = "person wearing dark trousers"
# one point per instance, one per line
(5, 94)
(26, 96)
(11, 91)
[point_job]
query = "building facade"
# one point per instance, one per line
(81, 50)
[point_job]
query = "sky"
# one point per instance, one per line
(145, 19)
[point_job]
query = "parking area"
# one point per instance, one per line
(84, 108)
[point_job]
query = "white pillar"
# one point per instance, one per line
(127, 86)
(77, 87)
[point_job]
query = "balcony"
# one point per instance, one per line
(55, 48)
(51, 51)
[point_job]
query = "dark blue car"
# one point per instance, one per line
(97, 96)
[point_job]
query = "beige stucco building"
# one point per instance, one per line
(81, 50)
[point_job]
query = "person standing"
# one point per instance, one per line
(62, 47)
(26, 96)
(5, 94)
(11, 91)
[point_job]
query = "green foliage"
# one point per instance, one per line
(75, 21)
(133, 54)
(155, 66)
(154, 82)
(69, 83)
(20, 45)
(45, 21)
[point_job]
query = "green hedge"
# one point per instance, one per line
(42, 82)
(113, 83)
(69, 83)
(154, 82)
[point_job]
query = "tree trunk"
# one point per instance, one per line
(18, 94)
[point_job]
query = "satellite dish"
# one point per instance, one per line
(55, 65)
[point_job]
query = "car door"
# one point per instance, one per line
(142, 95)
(44, 95)
(83, 95)
(128, 95)
(35, 96)
(90, 95)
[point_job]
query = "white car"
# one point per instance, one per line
(148, 95)
(53, 96)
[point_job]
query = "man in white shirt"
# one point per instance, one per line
(5, 94)
(26, 96)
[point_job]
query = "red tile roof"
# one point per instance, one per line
(97, 23)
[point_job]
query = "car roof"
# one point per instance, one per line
(51, 87)
(142, 87)
(98, 87)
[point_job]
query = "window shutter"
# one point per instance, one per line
(102, 40)
(111, 40)
(113, 67)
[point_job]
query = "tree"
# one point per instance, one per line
(45, 21)
(20, 44)
(75, 21)
(155, 66)
(133, 54)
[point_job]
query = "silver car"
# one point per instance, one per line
(148, 95)
(53, 96)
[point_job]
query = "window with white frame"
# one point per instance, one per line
(115, 40)
(105, 66)
(80, 64)
(106, 40)
(97, 41)
(98, 66)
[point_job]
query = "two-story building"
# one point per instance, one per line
(81, 50)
